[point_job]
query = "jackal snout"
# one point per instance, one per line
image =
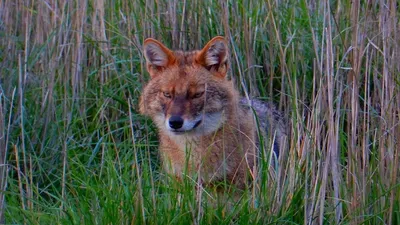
(177, 124)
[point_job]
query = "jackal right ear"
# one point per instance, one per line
(214, 56)
(157, 56)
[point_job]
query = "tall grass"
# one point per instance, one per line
(73, 149)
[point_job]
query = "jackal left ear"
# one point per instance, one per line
(214, 56)
(157, 56)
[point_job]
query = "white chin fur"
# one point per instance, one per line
(210, 122)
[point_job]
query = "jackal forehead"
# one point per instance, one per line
(183, 87)
(185, 59)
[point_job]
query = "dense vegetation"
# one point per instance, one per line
(73, 149)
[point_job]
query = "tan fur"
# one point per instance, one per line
(193, 86)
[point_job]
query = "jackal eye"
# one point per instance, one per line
(198, 95)
(167, 94)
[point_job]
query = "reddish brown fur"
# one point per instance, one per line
(189, 84)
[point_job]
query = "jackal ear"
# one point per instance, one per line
(157, 56)
(214, 56)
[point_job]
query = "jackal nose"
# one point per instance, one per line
(175, 122)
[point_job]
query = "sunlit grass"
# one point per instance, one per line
(74, 150)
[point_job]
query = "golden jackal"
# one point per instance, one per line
(204, 126)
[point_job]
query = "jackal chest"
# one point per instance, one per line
(210, 159)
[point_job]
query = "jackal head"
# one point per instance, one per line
(188, 91)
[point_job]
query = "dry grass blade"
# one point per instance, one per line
(3, 159)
